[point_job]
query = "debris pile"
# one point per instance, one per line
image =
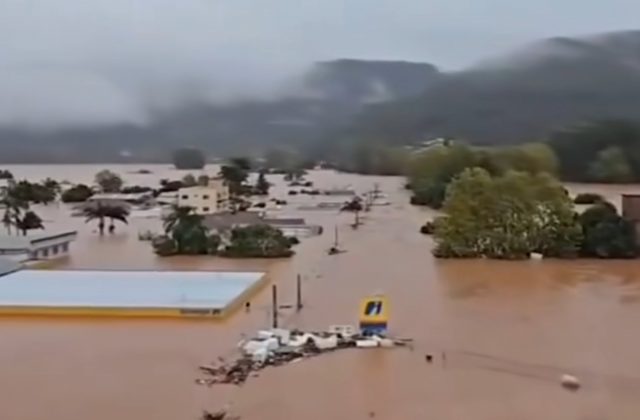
(278, 347)
(218, 415)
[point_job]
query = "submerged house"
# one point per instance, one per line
(292, 227)
(41, 246)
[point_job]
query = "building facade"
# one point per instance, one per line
(210, 199)
(36, 247)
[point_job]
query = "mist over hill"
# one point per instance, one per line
(518, 97)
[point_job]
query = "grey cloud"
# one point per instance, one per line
(94, 62)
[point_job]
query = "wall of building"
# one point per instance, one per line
(49, 251)
(204, 200)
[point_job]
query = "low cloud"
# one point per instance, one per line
(75, 63)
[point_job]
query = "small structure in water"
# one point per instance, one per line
(374, 315)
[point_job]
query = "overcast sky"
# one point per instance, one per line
(87, 62)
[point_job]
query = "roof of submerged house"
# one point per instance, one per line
(8, 266)
(230, 220)
(124, 289)
(19, 242)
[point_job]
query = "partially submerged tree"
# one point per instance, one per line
(109, 182)
(13, 208)
(101, 212)
(235, 173)
(186, 234)
(189, 180)
(76, 194)
(258, 241)
(29, 221)
(606, 233)
(262, 185)
(188, 158)
(507, 217)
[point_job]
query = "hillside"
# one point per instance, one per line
(522, 96)
(326, 97)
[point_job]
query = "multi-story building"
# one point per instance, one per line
(209, 199)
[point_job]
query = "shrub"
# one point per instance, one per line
(428, 228)
(188, 158)
(76, 194)
(588, 198)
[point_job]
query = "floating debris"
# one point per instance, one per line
(570, 382)
(279, 347)
(218, 415)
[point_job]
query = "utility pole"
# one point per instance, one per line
(298, 293)
(274, 303)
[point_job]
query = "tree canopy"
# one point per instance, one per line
(606, 233)
(76, 194)
(108, 181)
(601, 151)
(431, 171)
(188, 158)
(509, 216)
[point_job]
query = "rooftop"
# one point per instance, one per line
(229, 220)
(124, 289)
(19, 242)
(8, 266)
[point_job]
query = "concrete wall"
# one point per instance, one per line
(204, 200)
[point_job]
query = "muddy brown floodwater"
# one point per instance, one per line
(508, 330)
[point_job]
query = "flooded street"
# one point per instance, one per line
(502, 333)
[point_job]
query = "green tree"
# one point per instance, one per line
(579, 147)
(262, 185)
(235, 173)
(506, 217)
(189, 180)
(76, 194)
(188, 158)
(203, 180)
(258, 241)
(101, 212)
(5, 174)
(611, 165)
(52, 185)
(188, 232)
(533, 158)
(13, 208)
(109, 182)
(29, 221)
(116, 214)
(606, 233)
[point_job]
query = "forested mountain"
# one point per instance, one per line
(519, 97)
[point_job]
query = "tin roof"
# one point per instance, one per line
(124, 289)
(21, 242)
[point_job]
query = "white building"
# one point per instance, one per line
(210, 199)
(42, 246)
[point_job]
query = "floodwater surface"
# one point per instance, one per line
(501, 333)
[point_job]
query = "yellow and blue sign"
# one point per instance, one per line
(374, 315)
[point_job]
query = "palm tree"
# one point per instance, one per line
(101, 212)
(29, 221)
(178, 214)
(13, 208)
(118, 213)
(187, 230)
